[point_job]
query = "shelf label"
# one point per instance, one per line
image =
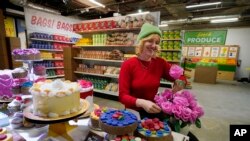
(216, 37)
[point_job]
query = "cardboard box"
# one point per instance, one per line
(205, 74)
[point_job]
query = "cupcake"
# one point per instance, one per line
(39, 70)
(15, 104)
(16, 88)
(19, 73)
(26, 87)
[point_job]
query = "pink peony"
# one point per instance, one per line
(159, 99)
(180, 101)
(175, 71)
(181, 106)
(167, 107)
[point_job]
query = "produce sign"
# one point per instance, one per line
(216, 37)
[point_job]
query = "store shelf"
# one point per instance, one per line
(170, 50)
(95, 74)
(53, 50)
(103, 60)
(171, 39)
(51, 59)
(86, 46)
(55, 76)
(37, 39)
(167, 83)
(48, 68)
(109, 30)
(106, 92)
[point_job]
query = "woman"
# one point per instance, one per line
(140, 76)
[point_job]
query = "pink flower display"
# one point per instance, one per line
(181, 107)
(175, 71)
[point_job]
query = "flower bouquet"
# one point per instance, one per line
(180, 109)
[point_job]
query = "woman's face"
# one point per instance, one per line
(150, 47)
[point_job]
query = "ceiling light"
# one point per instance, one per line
(224, 20)
(203, 4)
(97, 3)
(141, 13)
(163, 25)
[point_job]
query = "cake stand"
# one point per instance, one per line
(30, 67)
(57, 126)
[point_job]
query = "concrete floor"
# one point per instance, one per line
(224, 103)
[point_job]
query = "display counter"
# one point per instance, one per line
(80, 133)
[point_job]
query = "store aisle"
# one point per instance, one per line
(224, 103)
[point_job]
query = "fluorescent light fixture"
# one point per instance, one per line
(97, 3)
(163, 25)
(141, 13)
(224, 20)
(203, 4)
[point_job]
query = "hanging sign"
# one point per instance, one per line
(10, 29)
(213, 37)
(39, 21)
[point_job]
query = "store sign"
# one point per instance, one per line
(10, 29)
(215, 37)
(43, 22)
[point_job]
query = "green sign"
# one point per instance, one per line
(213, 37)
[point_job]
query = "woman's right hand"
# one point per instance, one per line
(148, 106)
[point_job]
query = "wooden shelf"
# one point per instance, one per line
(51, 59)
(109, 30)
(95, 74)
(48, 68)
(86, 46)
(46, 40)
(106, 92)
(170, 50)
(103, 60)
(54, 50)
(55, 76)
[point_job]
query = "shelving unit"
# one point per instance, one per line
(171, 49)
(54, 41)
(171, 44)
(51, 52)
(72, 58)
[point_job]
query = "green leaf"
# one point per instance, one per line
(198, 123)
(177, 126)
(183, 124)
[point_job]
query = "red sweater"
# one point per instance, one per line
(141, 79)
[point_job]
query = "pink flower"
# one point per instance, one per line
(167, 94)
(186, 114)
(177, 111)
(199, 111)
(167, 107)
(159, 100)
(180, 106)
(180, 101)
(175, 71)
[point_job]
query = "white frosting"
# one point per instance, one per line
(55, 88)
(73, 110)
(87, 89)
(65, 113)
(53, 115)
